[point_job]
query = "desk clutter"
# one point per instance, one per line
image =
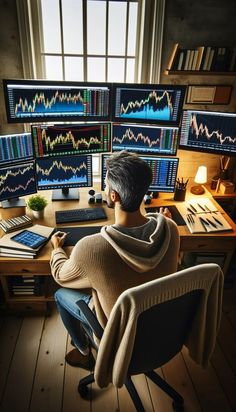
(11, 249)
(201, 216)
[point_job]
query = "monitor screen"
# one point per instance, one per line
(72, 139)
(148, 103)
(41, 100)
(145, 139)
(164, 172)
(17, 180)
(64, 172)
(212, 132)
(15, 147)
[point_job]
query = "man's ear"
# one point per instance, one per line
(115, 197)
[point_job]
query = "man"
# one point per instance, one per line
(136, 249)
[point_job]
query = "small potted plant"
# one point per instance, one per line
(37, 203)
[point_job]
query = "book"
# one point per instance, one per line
(199, 57)
(195, 57)
(232, 64)
(209, 63)
(172, 56)
(206, 223)
(9, 246)
(15, 223)
(206, 58)
(187, 60)
(190, 60)
(180, 62)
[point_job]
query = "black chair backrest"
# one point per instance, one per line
(162, 331)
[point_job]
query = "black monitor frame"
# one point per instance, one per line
(56, 129)
(65, 191)
(207, 148)
(152, 187)
(43, 85)
(11, 200)
(140, 147)
(117, 89)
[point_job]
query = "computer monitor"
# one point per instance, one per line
(211, 132)
(145, 139)
(148, 103)
(63, 175)
(15, 147)
(59, 139)
(16, 180)
(164, 172)
(41, 100)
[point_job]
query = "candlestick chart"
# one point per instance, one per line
(65, 171)
(210, 131)
(71, 139)
(17, 180)
(144, 139)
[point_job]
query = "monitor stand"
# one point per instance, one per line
(15, 202)
(65, 194)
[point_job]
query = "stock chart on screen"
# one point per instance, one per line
(15, 147)
(213, 132)
(71, 139)
(17, 180)
(145, 139)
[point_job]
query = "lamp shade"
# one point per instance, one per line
(201, 176)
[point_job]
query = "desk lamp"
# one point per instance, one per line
(200, 179)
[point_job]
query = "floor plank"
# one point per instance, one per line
(161, 401)
(21, 373)
(49, 377)
(227, 341)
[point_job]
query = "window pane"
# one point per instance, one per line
(130, 70)
(96, 69)
(133, 11)
(53, 67)
(96, 27)
(51, 26)
(116, 68)
(72, 26)
(74, 69)
(117, 27)
(95, 161)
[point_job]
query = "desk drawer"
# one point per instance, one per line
(207, 243)
(25, 267)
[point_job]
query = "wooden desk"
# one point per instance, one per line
(212, 243)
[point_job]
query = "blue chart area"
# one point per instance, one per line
(16, 147)
(63, 172)
(146, 105)
(211, 131)
(17, 181)
(47, 101)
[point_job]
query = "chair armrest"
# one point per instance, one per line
(91, 318)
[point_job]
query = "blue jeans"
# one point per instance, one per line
(72, 317)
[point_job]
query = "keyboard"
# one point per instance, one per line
(80, 215)
(176, 216)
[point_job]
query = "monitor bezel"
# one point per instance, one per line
(36, 119)
(173, 123)
(35, 179)
(65, 186)
(202, 149)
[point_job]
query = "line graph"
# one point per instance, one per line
(17, 180)
(143, 139)
(68, 171)
(213, 131)
(71, 139)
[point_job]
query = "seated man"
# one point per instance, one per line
(137, 248)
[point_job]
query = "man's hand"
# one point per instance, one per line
(58, 239)
(165, 211)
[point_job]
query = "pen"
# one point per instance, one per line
(191, 211)
(201, 207)
(207, 208)
(217, 221)
(209, 221)
(203, 221)
(195, 210)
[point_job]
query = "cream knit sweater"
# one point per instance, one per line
(110, 262)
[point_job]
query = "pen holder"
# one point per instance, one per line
(179, 194)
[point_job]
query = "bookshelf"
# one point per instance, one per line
(197, 73)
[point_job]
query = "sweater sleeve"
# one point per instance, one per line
(69, 271)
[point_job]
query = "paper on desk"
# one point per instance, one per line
(197, 227)
(203, 202)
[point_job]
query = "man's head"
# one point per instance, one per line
(129, 177)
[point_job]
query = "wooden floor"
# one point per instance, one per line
(35, 378)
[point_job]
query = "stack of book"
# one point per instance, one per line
(11, 249)
(15, 223)
(203, 58)
(26, 285)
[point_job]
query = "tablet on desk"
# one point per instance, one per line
(30, 239)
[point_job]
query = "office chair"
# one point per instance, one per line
(150, 323)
